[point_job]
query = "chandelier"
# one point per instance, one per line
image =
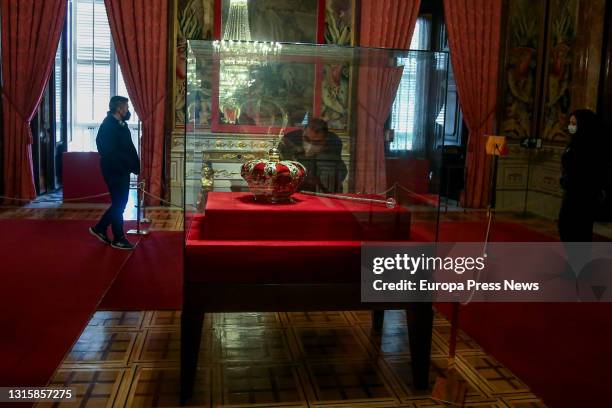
(237, 27)
(247, 48)
(238, 55)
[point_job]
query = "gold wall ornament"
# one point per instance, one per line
(226, 174)
(239, 144)
(232, 157)
(239, 156)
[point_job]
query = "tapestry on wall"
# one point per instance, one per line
(195, 20)
(521, 67)
(335, 95)
(558, 96)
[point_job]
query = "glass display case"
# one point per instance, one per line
(294, 156)
(364, 125)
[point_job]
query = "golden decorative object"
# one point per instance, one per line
(208, 177)
(226, 174)
(207, 183)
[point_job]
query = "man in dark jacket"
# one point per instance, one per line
(319, 150)
(118, 158)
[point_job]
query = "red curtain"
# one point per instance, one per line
(474, 39)
(386, 24)
(30, 35)
(140, 34)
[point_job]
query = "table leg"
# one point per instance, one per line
(191, 335)
(378, 320)
(419, 317)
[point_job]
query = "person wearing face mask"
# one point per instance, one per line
(582, 177)
(319, 150)
(118, 158)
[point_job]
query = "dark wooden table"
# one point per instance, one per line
(308, 259)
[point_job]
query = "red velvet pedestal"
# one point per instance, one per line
(245, 256)
(237, 216)
(312, 240)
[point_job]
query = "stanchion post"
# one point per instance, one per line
(452, 389)
(139, 198)
(396, 192)
(144, 219)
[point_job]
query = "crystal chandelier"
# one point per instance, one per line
(244, 48)
(238, 54)
(237, 27)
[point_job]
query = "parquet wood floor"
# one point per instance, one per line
(321, 359)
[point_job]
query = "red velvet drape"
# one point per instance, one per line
(386, 24)
(30, 36)
(140, 35)
(474, 39)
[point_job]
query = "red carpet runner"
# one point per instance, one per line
(53, 275)
(152, 279)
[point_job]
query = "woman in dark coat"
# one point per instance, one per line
(582, 177)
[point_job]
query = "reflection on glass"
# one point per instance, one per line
(246, 98)
(249, 88)
(250, 92)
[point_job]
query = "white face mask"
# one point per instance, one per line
(307, 146)
(572, 129)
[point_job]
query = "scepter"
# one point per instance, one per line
(389, 202)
